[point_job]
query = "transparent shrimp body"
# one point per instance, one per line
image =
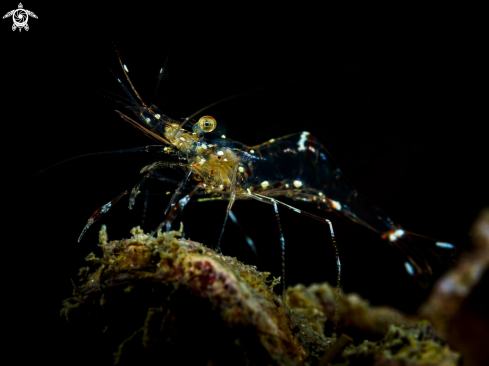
(295, 166)
(299, 166)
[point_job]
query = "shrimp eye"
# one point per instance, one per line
(207, 123)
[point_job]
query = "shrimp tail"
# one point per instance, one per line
(420, 251)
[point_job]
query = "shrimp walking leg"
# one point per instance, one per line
(100, 212)
(145, 205)
(176, 210)
(234, 219)
(273, 201)
(150, 171)
(105, 208)
(249, 241)
(177, 193)
(282, 241)
(230, 204)
(172, 206)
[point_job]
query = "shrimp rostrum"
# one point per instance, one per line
(297, 167)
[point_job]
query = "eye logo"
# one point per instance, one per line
(20, 17)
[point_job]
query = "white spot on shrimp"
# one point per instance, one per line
(225, 159)
(241, 169)
(220, 153)
(204, 146)
(297, 183)
(221, 186)
(444, 245)
(181, 138)
(157, 116)
(302, 141)
(125, 68)
(336, 205)
(409, 268)
(148, 119)
(265, 184)
(252, 151)
(286, 185)
(399, 233)
(394, 235)
(271, 140)
(223, 136)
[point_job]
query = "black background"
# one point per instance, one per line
(392, 93)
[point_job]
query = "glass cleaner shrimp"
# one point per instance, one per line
(296, 166)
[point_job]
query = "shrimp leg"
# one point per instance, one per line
(249, 241)
(150, 169)
(282, 241)
(177, 209)
(274, 202)
(100, 212)
(171, 204)
(230, 204)
(234, 219)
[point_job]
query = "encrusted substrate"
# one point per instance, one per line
(402, 346)
(355, 314)
(168, 300)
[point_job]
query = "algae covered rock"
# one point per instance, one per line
(167, 300)
(402, 346)
(186, 294)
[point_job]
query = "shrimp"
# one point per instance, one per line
(296, 166)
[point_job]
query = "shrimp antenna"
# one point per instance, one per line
(342, 70)
(119, 98)
(244, 93)
(149, 148)
(128, 93)
(126, 71)
(163, 73)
